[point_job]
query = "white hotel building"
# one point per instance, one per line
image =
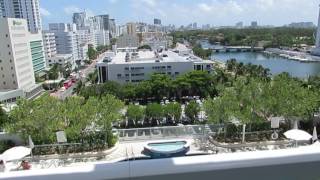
(17, 77)
(134, 66)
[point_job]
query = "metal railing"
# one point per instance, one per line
(160, 132)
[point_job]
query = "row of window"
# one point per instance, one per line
(133, 68)
(161, 67)
(5, 83)
(127, 75)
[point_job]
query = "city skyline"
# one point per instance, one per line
(178, 12)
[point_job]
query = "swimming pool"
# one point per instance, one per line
(166, 149)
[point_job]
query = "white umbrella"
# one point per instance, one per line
(15, 153)
(298, 135)
(314, 135)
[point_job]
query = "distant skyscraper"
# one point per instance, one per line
(25, 9)
(67, 40)
(239, 25)
(104, 21)
(302, 25)
(131, 28)
(157, 22)
(254, 24)
(49, 41)
(195, 26)
(316, 51)
(80, 19)
(112, 28)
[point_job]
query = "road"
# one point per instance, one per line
(63, 94)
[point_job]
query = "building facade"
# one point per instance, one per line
(80, 20)
(16, 58)
(131, 28)
(67, 40)
(128, 40)
(37, 53)
(316, 50)
(49, 41)
(131, 65)
(61, 59)
(157, 22)
(25, 9)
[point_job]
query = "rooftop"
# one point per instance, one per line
(147, 56)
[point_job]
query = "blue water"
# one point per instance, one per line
(168, 146)
(276, 64)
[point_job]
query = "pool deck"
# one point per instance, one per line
(122, 151)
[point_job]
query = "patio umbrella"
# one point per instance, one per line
(15, 153)
(298, 135)
(314, 135)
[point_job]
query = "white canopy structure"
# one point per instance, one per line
(297, 135)
(15, 153)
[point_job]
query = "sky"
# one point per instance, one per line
(184, 12)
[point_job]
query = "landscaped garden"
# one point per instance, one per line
(239, 94)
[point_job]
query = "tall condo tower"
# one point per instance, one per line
(24, 9)
(316, 51)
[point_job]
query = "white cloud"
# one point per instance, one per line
(71, 9)
(44, 12)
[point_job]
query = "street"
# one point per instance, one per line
(63, 94)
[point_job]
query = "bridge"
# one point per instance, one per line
(235, 49)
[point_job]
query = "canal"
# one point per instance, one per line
(276, 64)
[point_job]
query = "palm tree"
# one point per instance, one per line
(93, 77)
(79, 87)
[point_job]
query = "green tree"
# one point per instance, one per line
(134, 114)
(129, 91)
(192, 110)
(173, 111)
(3, 117)
(93, 77)
(143, 90)
(80, 85)
(54, 72)
(92, 53)
(161, 85)
(79, 118)
(154, 112)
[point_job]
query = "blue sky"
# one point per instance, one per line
(183, 12)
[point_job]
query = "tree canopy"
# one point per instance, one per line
(42, 117)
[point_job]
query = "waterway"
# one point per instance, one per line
(276, 64)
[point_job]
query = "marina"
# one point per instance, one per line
(276, 64)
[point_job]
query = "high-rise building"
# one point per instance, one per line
(101, 38)
(254, 24)
(122, 29)
(37, 53)
(157, 21)
(194, 25)
(112, 28)
(49, 41)
(17, 53)
(80, 20)
(131, 28)
(103, 21)
(128, 40)
(67, 40)
(316, 50)
(25, 9)
(239, 25)
(305, 25)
